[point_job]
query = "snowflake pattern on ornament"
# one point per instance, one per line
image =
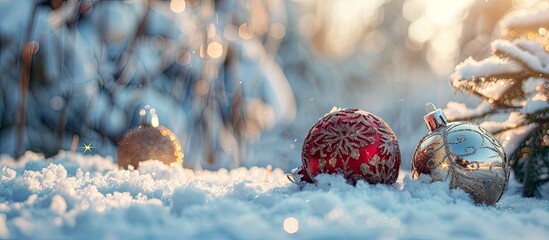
(379, 167)
(389, 145)
(347, 131)
(342, 139)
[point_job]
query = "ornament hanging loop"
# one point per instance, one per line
(429, 107)
(143, 115)
(435, 118)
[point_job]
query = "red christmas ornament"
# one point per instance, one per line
(351, 142)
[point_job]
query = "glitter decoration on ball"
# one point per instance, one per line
(351, 142)
(149, 141)
(464, 154)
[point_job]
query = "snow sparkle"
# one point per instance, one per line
(87, 147)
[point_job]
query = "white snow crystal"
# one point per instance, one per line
(169, 202)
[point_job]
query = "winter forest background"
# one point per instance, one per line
(240, 82)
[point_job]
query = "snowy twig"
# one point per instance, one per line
(27, 55)
(67, 13)
(460, 112)
(490, 68)
(511, 139)
(515, 120)
(530, 54)
(130, 51)
(525, 19)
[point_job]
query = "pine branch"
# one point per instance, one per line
(523, 21)
(533, 166)
(530, 161)
(509, 129)
(528, 54)
(30, 49)
(500, 81)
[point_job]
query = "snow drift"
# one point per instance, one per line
(76, 196)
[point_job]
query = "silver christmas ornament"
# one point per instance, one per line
(465, 155)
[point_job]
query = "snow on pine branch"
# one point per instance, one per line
(530, 53)
(512, 139)
(512, 61)
(470, 70)
(514, 120)
(521, 19)
(537, 103)
(512, 132)
(455, 111)
(489, 77)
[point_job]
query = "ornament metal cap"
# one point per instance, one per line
(144, 119)
(435, 118)
(298, 176)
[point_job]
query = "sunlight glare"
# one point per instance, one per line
(437, 25)
(420, 31)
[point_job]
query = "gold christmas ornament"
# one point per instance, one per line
(147, 142)
(465, 155)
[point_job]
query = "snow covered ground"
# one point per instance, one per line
(88, 197)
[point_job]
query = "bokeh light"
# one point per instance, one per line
(337, 27)
(244, 31)
(177, 6)
(437, 26)
(432, 28)
(291, 225)
(184, 58)
(57, 103)
(278, 31)
(201, 87)
(215, 50)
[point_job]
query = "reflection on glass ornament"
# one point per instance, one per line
(149, 141)
(353, 143)
(465, 155)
